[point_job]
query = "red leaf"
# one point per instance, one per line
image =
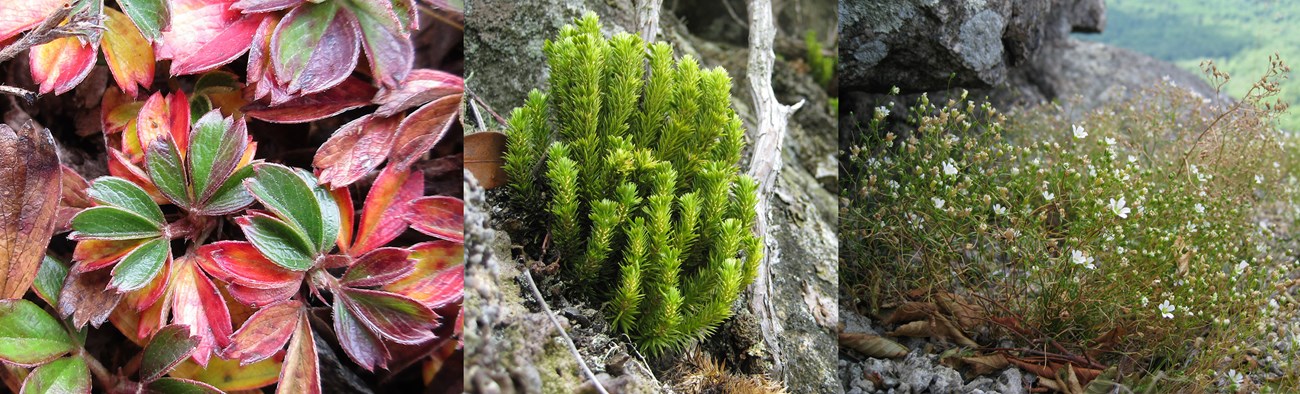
(129, 55)
(255, 297)
(438, 216)
(346, 214)
(395, 317)
(420, 87)
(254, 6)
(94, 254)
(73, 199)
(240, 263)
(387, 42)
(265, 333)
(379, 267)
(29, 198)
(260, 77)
(165, 117)
(61, 64)
(117, 110)
(205, 34)
(352, 93)
(423, 129)
(301, 371)
(381, 219)
(439, 276)
(17, 16)
(315, 47)
(361, 345)
(196, 303)
(85, 300)
(355, 149)
(120, 166)
(150, 293)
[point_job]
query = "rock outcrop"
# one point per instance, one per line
(1015, 52)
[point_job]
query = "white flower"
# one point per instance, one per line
(1241, 267)
(948, 168)
(1048, 195)
(1079, 132)
(1199, 208)
(1259, 179)
(1235, 378)
(1081, 258)
(882, 112)
(1118, 208)
(938, 202)
(1145, 301)
(1166, 310)
(999, 210)
(1110, 141)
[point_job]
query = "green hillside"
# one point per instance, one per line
(1238, 35)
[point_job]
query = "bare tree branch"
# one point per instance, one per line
(772, 118)
(647, 18)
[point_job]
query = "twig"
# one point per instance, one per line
(568, 342)
(772, 118)
(49, 30)
(647, 18)
(734, 16)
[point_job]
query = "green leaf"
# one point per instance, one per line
(65, 375)
(278, 241)
(139, 267)
(49, 280)
(111, 223)
(28, 335)
(170, 346)
(231, 196)
(124, 194)
(216, 146)
(291, 198)
(151, 16)
(167, 172)
(181, 386)
(315, 47)
(329, 212)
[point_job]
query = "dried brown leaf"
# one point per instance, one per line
(85, 299)
(911, 311)
(483, 152)
(967, 314)
(29, 196)
(918, 329)
(984, 365)
(872, 345)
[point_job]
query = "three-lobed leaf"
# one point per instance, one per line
(29, 336)
(121, 193)
(112, 223)
(381, 217)
(392, 316)
(205, 34)
(357, 148)
(266, 332)
(292, 199)
(379, 267)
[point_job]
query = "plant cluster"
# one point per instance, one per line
(1131, 232)
(229, 270)
(822, 66)
(638, 177)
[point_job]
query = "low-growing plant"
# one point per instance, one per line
(821, 66)
(1149, 234)
(638, 177)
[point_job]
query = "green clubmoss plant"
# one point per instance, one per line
(634, 156)
(821, 66)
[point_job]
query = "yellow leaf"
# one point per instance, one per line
(130, 56)
(228, 376)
